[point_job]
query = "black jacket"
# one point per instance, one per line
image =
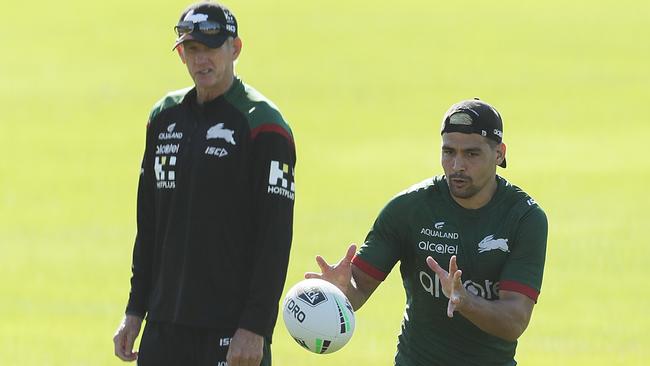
(215, 212)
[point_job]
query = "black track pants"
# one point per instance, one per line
(165, 344)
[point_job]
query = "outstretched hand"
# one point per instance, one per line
(339, 274)
(452, 285)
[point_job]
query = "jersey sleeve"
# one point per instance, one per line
(524, 269)
(273, 164)
(381, 248)
(141, 266)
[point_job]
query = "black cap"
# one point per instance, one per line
(474, 116)
(208, 11)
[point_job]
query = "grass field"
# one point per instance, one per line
(364, 85)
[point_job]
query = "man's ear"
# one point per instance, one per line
(179, 49)
(501, 152)
(237, 46)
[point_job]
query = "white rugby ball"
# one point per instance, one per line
(318, 316)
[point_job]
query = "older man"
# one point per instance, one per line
(215, 211)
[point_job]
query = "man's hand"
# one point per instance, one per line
(246, 349)
(125, 337)
(452, 285)
(505, 317)
(339, 274)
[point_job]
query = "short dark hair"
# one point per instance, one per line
(493, 144)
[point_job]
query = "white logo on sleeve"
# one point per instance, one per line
(164, 169)
(489, 243)
(439, 225)
(279, 179)
(218, 132)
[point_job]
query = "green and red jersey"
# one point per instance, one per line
(500, 246)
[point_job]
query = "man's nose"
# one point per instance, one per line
(458, 163)
(200, 57)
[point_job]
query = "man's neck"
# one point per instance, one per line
(206, 95)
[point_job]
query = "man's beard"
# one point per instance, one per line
(463, 186)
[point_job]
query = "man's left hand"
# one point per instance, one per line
(452, 285)
(246, 349)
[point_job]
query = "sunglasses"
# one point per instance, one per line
(206, 27)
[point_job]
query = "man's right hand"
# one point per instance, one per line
(125, 337)
(339, 274)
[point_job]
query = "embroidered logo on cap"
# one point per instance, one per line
(195, 18)
(460, 119)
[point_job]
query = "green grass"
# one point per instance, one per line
(364, 85)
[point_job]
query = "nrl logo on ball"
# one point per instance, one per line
(312, 296)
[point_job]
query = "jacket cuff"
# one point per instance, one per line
(256, 321)
(132, 309)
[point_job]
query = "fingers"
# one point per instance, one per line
(352, 250)
(451, 282)
(125, 336)
(313, 275)
(347, 259)
(324, 267)
(233, 358)
(123, 350)
(458, 283)
(455, 299)
(457, 287)
(118, 344)
(436, 267)
(246, 349)
(128, 346)
(432, 264)
(239, 359)
(453, 265)
(450, 309)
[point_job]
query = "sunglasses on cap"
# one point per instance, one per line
(207, 27)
